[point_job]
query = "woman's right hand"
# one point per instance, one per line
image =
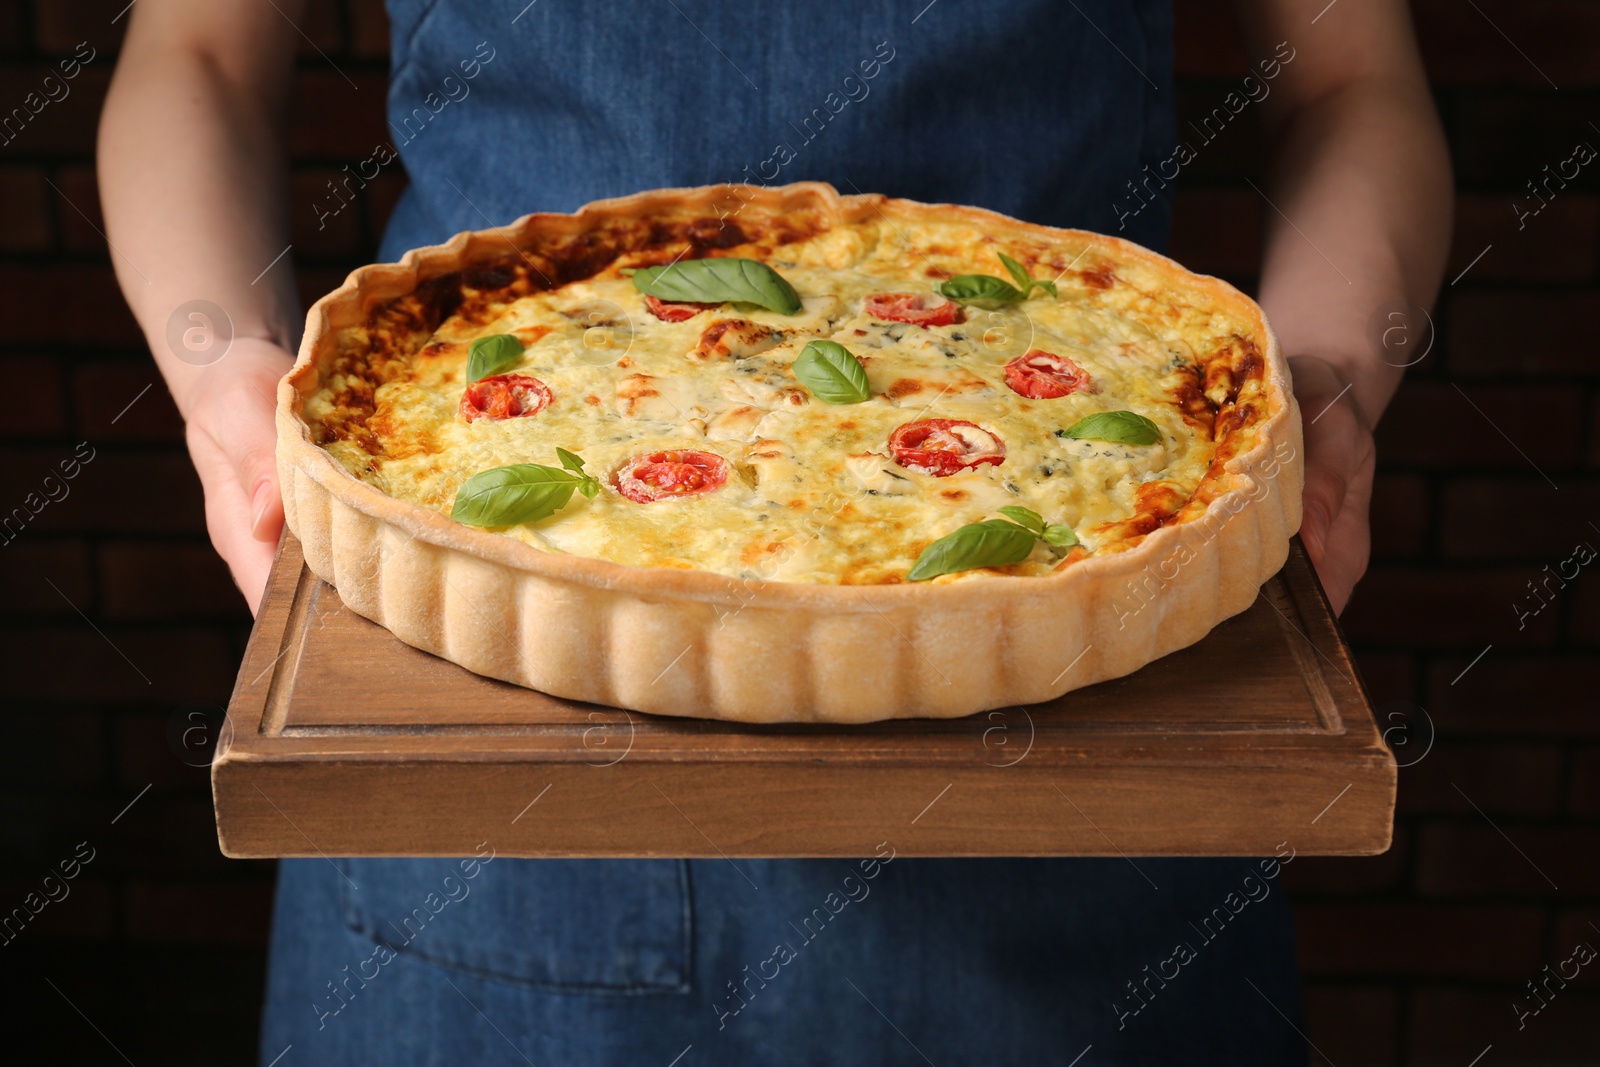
(232, 440)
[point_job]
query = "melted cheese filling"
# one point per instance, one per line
(814, 493)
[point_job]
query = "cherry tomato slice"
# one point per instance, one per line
(943, 447)
(1041, 375)
(919, 309)
(504, 396)
(671, 475)
(673, 312)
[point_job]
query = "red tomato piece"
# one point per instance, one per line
(673, 312)
(942, 447)
(504, 396)
(670, 475)
(919, 309)
(1041, 375)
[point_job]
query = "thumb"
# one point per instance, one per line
(1329, 437)
(1322, 499)
(250, 444)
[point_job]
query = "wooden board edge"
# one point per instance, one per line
(267, 808)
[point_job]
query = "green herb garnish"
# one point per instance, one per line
(1049, 532)
(718, 281)
(987, 291)
(991, 543)
(522, 492)
(491, 355)
(832, 373)
(1123, 427)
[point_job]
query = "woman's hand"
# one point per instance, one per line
(191, 158)
(1339, 462)
(232, 441)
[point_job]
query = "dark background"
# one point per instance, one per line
(1412, 957)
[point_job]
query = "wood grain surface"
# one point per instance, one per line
(341, 740)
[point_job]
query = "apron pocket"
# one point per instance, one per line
(581, 926)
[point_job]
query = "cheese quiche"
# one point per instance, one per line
(777, 454)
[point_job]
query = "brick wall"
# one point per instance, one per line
(1418, 955)
(119, 621)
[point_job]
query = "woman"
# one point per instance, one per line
(1057, 115)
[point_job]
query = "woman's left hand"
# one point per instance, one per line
(1339, 463)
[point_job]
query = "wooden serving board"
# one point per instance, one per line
(344, 741)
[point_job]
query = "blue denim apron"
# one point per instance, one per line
(1038, 109)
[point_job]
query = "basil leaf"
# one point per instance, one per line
(833, 375)
(510, 496)
(1028, 520)
(984, 290)
(1058, 535)
(1024, 280)
(989, 292)
(1124, 427)
(990, 543)
(570, 460)
(718, 281)
(491, 355)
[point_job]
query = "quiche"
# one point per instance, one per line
(777, 454)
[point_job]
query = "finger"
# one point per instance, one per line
(1348, 544)
(1326, 475)
(1329, 436)
(249, 560)
(228, 518)
(251, 447)
(266, 510)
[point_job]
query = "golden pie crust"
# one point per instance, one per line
(695, 643)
